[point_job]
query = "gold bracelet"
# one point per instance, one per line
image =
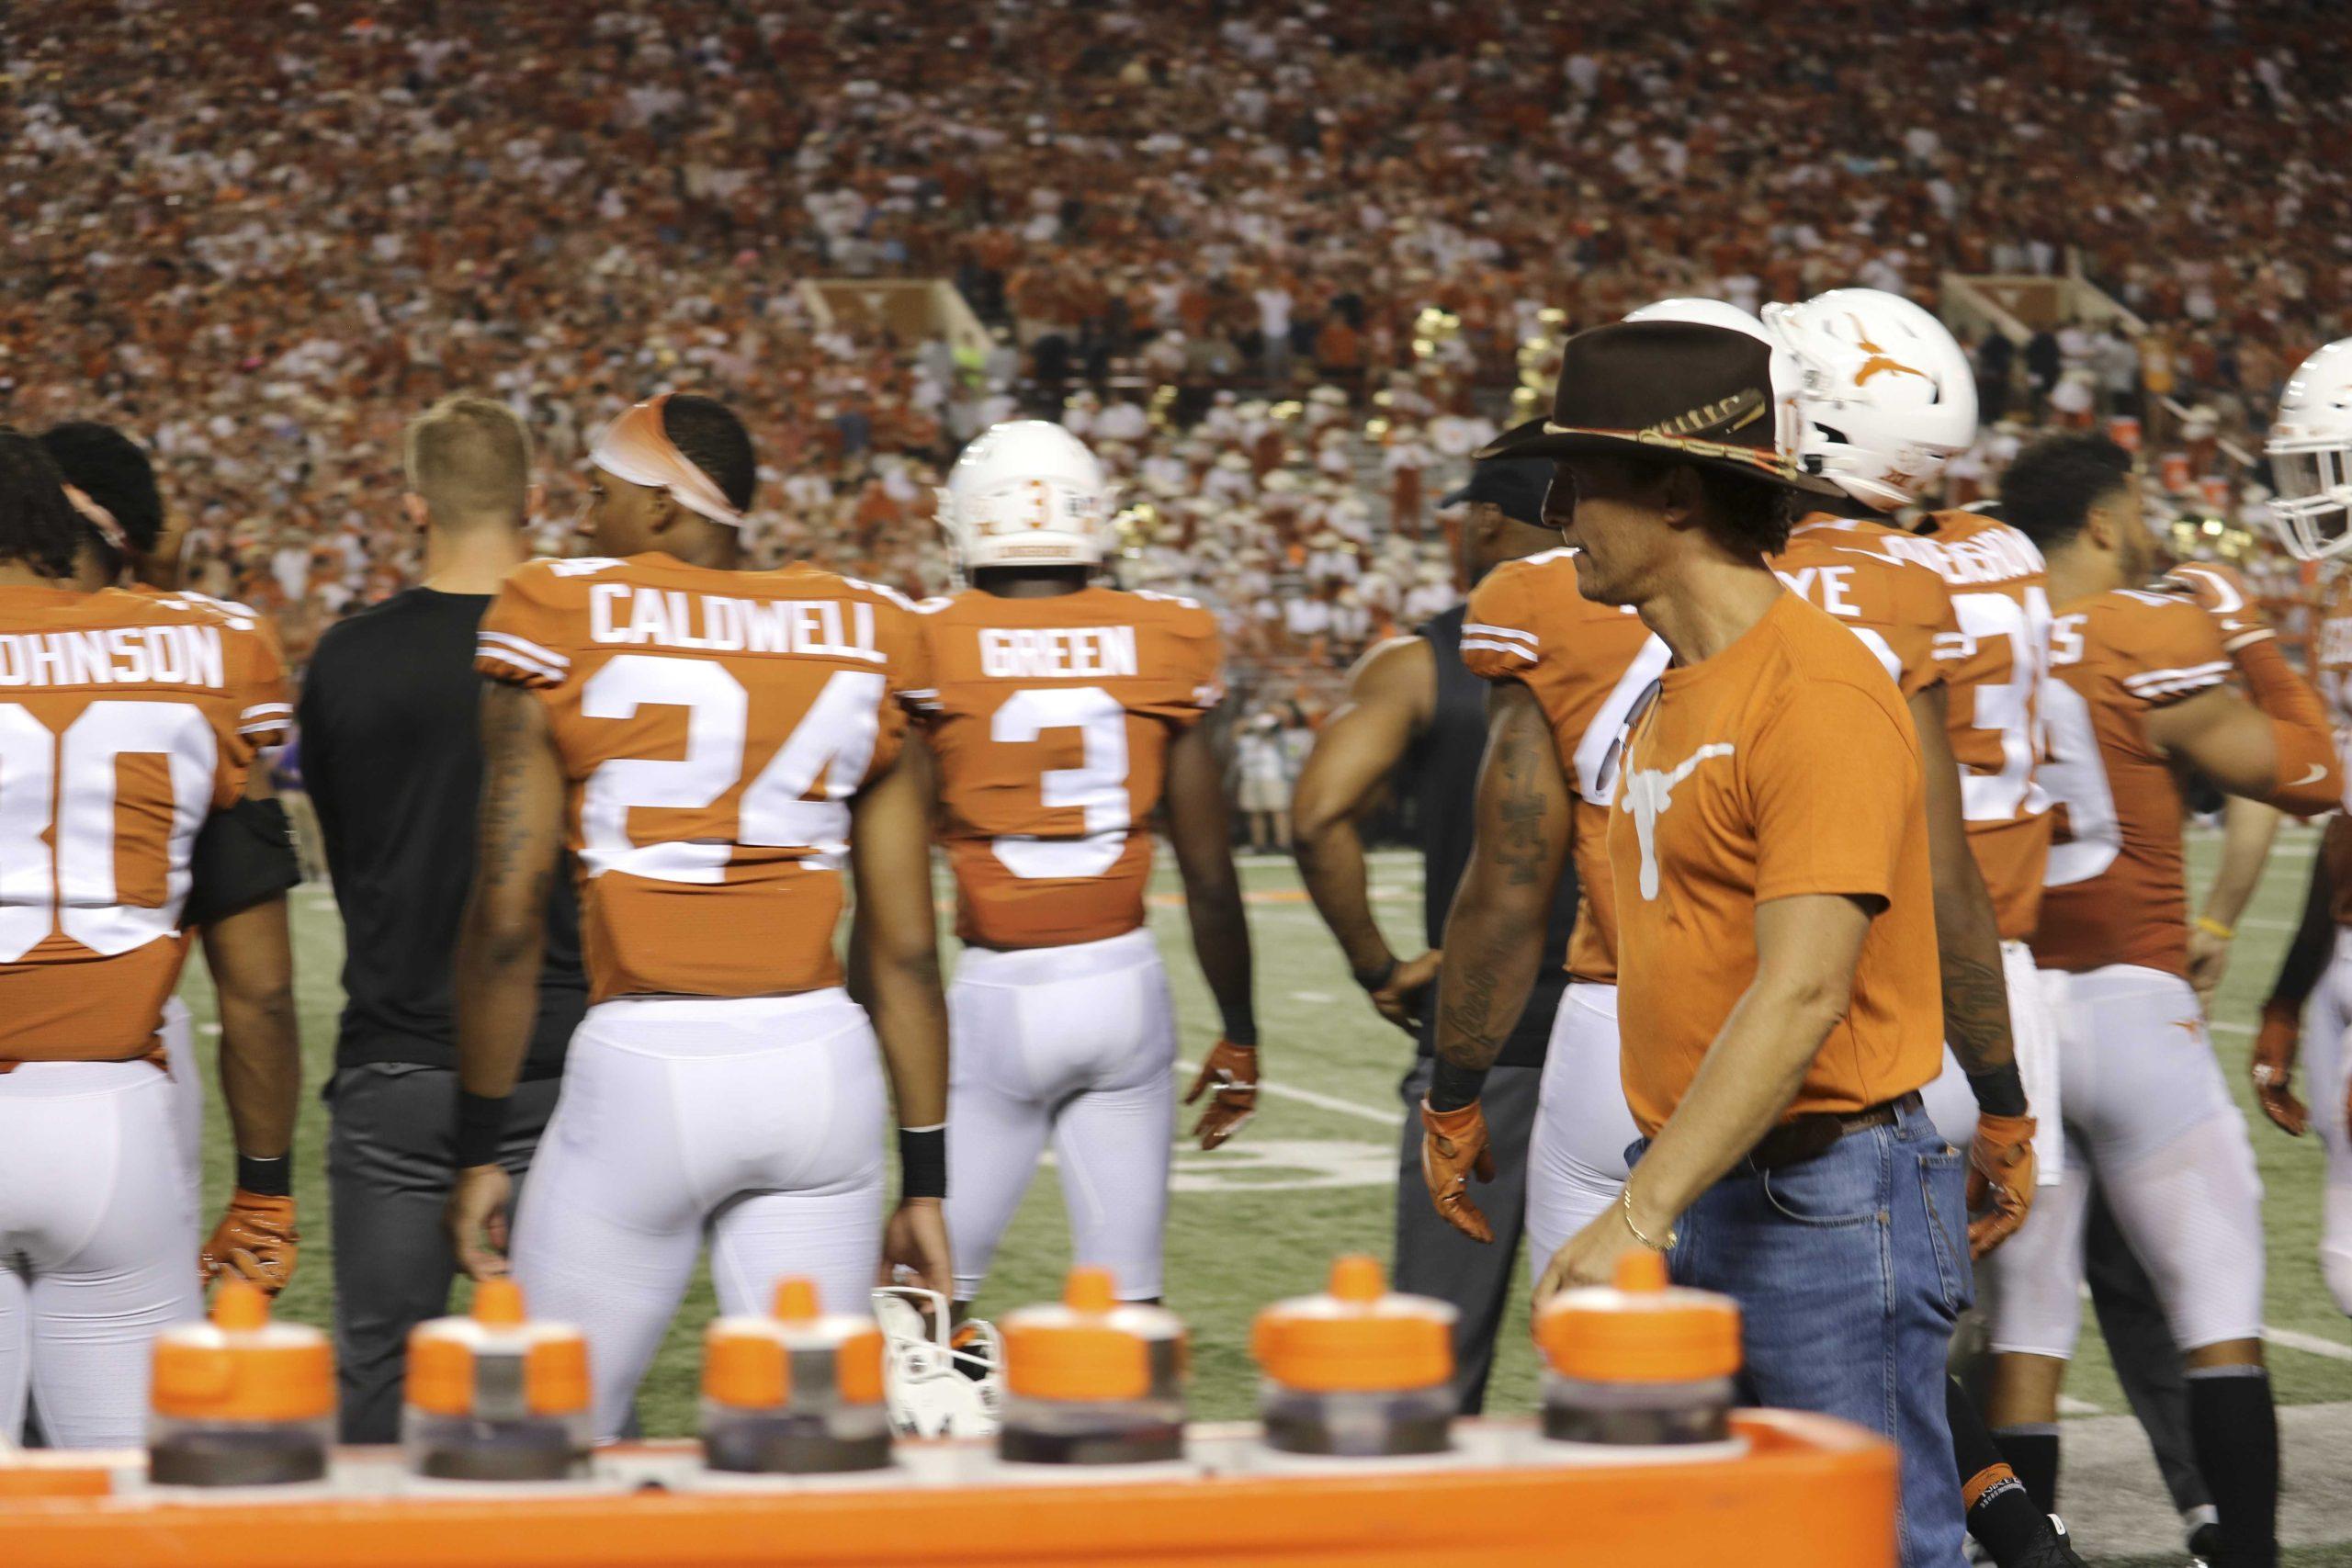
(1626, 1207)
(2212, 926)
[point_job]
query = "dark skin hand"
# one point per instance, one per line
(1390, 695)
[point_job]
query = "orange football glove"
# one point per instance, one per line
(2274, 1069)
(256, 1241)
(1454, 1149)
(1233, 1069)
(2222, 594)
(2000, 1172)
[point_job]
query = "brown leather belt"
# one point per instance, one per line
(1812, 1135)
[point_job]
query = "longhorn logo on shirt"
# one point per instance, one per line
(1880, 362)
(1648, 792)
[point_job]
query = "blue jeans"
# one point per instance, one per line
(1849, 1269)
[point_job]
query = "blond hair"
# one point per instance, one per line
(469, 458)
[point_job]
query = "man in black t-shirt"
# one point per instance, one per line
(1415, 713)
(392, 759)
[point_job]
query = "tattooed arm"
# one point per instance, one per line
(1968, 938)
(518, 831)
(1494, 934)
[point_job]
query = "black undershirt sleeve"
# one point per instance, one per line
(243, 856)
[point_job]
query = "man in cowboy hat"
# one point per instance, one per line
(1777, 996)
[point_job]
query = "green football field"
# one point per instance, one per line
(1312, 1177)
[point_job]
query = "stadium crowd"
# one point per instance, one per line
(269, 253)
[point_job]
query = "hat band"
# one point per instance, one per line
(635, 447)
(1690, 445)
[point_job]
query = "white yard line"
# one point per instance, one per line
(2310, 1344)
(1320, 1101)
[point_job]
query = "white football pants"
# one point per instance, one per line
(1951, 1104)
(97, 1246)
(178, 1034)
(1076, 1043)
(757, 1121)
(2149, 1117)
(2325, 1060)
(1575, 1156)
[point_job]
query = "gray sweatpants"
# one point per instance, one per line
(1435, 1259)
(390, 1147)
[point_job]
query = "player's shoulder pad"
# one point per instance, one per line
(1182, 616)
(2164, 643)
(187, 601)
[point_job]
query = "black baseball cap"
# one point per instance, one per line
(1516, 485)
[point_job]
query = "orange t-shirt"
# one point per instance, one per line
(125, 720)
(1883, 586)
(1998, 689)
(1051, 731)
(2115, 891)
(1786, 765)
(1587, 664)
(714, 726)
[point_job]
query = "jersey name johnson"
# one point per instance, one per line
(2115, 891)
(714, 726)
(125, 719)
(1051, 725)
(1589, 665)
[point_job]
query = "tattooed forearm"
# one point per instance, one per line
(1522, 810)
(1469, 1034)
(501, 832)
(1976, 1013)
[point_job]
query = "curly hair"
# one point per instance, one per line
(1752, 514)
(2049, 490)
(37, 525)
(707, 434)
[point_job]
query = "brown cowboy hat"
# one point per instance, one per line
(1674, 390)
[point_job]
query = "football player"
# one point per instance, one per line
(240, 869)
(127, 719)
(1066, 713)
(715, 743)
(2143, 688)
(1415, 722)
(2310, 450)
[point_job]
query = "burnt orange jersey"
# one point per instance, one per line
(1587, 665)
(1994, 716)
(714, 726)
(1884, 587)
(125, 719)
(1051, 727)
(2115, 893)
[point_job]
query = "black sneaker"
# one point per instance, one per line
(2054, 1550)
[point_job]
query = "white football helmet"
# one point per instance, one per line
(2310, 450)
(1026, 493)
(1886, 397)
(1785, 371)
(939, 1380)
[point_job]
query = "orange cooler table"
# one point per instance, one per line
(1810, 1492)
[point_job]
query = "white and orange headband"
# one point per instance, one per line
(101, 521)
(635, 447)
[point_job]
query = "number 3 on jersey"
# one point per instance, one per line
(1097, 787)
(834, 739)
